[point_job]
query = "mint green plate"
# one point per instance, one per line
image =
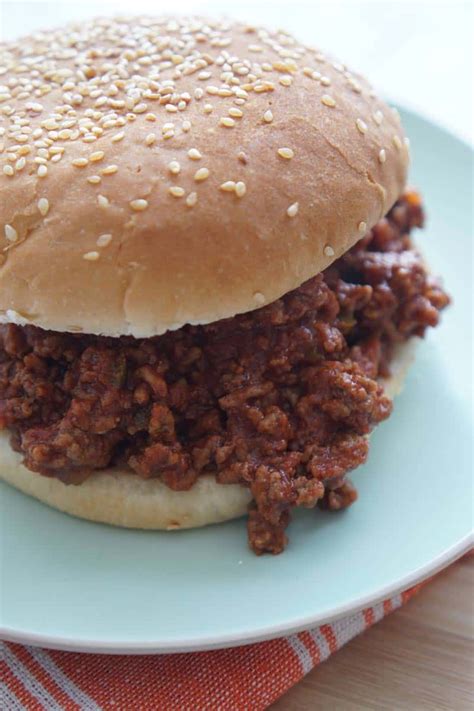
(76, 585)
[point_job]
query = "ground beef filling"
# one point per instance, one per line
(279, 400)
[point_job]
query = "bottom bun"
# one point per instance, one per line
(117, 497)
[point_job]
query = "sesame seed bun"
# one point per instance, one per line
(120, 498)
(162, 172)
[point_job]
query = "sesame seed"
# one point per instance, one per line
(325, 81)
(328, 251)
(268, 116)
(328, 101)
(150, 117)
(240, 189)
(103, 201)
(228, 186)
(150, 139)
(104, 240)
(139, 205)
(118, 137)
(186, 126)
(259, 297)
(242, 157)
(208, 108)
(227, 122)
(361, 126)
(378, 117)
(194, 154)
(362, 227)
(396, 141)
(20, 164)
(49, 124)
(236, 113)
(91, 256)
(96, 156)
(382, 155)
(191, 200)
(286, 80)
(109, 170)
(286, 153)
(43, 206)
(355, 86)
(176, 191)
(78, 162)
(174, 167)
(261, 88)
(94, 179)
(293, 210)
(42, 171)
(201, 174)
(10, 233)
(65, 134)
(8, 170)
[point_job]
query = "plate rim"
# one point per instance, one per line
(414, 577)
(214, 642)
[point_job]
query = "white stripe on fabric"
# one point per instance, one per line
(8, 700)
(320, 640)
(396, 601)
(29, 681)
(379, 612)
(348, 627)
(62, 680)
(301, 652)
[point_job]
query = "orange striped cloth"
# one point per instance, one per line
(249, 677)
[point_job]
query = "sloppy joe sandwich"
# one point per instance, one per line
(209, 291)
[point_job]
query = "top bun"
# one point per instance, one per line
(157, 172)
